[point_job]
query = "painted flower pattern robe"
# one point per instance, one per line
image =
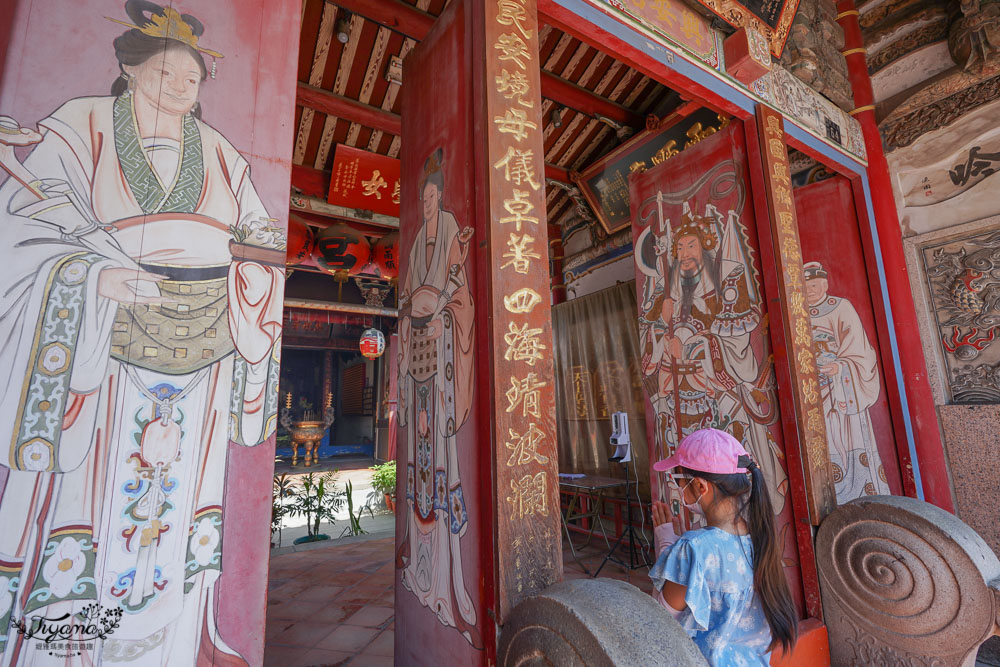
(435, 396)
(108, 499)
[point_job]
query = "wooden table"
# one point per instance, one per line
(594, 485)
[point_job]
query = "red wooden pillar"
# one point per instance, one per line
(933, 470)
(478, 509)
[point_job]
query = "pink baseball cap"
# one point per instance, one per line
(707, 450)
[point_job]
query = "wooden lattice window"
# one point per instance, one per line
(353, 390)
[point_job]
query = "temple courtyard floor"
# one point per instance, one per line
(332, 603)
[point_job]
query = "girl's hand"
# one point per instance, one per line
(661, 513)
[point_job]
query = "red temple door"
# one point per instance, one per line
(860, 430)
(704, 345)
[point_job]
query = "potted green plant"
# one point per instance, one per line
(355, 519)
(318, 501)
(282, 489)
(384, 481)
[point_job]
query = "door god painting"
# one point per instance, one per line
(700, 309)
(436, 391)
(849, 384)
(140, 321)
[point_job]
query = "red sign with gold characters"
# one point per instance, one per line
(365, 181)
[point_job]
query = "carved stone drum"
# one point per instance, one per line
(594, 622)
(905, 583)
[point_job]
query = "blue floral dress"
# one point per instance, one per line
(723, 615)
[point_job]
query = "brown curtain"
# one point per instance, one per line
(596, 341)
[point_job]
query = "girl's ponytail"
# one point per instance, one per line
(768, 577)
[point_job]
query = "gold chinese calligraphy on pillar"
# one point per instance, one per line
(797, 327)
(527, 485)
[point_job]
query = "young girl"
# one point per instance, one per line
(724, 582)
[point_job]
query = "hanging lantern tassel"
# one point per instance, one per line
(341, 278)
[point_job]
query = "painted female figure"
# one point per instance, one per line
(140, 320)
(435, 395)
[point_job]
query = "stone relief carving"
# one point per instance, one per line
(902, 129)
(963, 277)
(928, 34)
(975, 34)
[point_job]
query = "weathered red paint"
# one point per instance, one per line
(881, 321)
(309, 181)
(884, 340)
(442, 61)
(251, 101)
(923, 413)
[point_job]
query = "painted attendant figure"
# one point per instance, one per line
(436, 331)
(140, 321)
(849, 383)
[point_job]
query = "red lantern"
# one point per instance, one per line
(342, 250)
(385, 256)
(300, 242)
(372, 344)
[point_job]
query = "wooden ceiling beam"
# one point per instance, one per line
(412, 22)
(352, 110)
(316, 182)
(310, 182)
(393, 14)
(578, 98)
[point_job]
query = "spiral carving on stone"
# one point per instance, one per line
(907, 578)
(594, 623)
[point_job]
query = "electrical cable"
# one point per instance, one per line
(638, 500)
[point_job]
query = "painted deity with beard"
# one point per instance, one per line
(701, 305)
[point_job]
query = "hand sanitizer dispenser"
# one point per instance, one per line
(620, 438)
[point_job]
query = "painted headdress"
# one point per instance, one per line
(696, 225)
(432, 170)
(153, 20)
(814, 270)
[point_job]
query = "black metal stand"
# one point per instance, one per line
(633, 560)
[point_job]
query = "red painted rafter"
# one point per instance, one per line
(576, 97)
(310, 182)
(342, 107)
(414, 23)
(315, 182)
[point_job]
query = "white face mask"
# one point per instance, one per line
(695, 507)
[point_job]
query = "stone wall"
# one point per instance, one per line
(812, 52)
(970, 432)
(937, 116)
